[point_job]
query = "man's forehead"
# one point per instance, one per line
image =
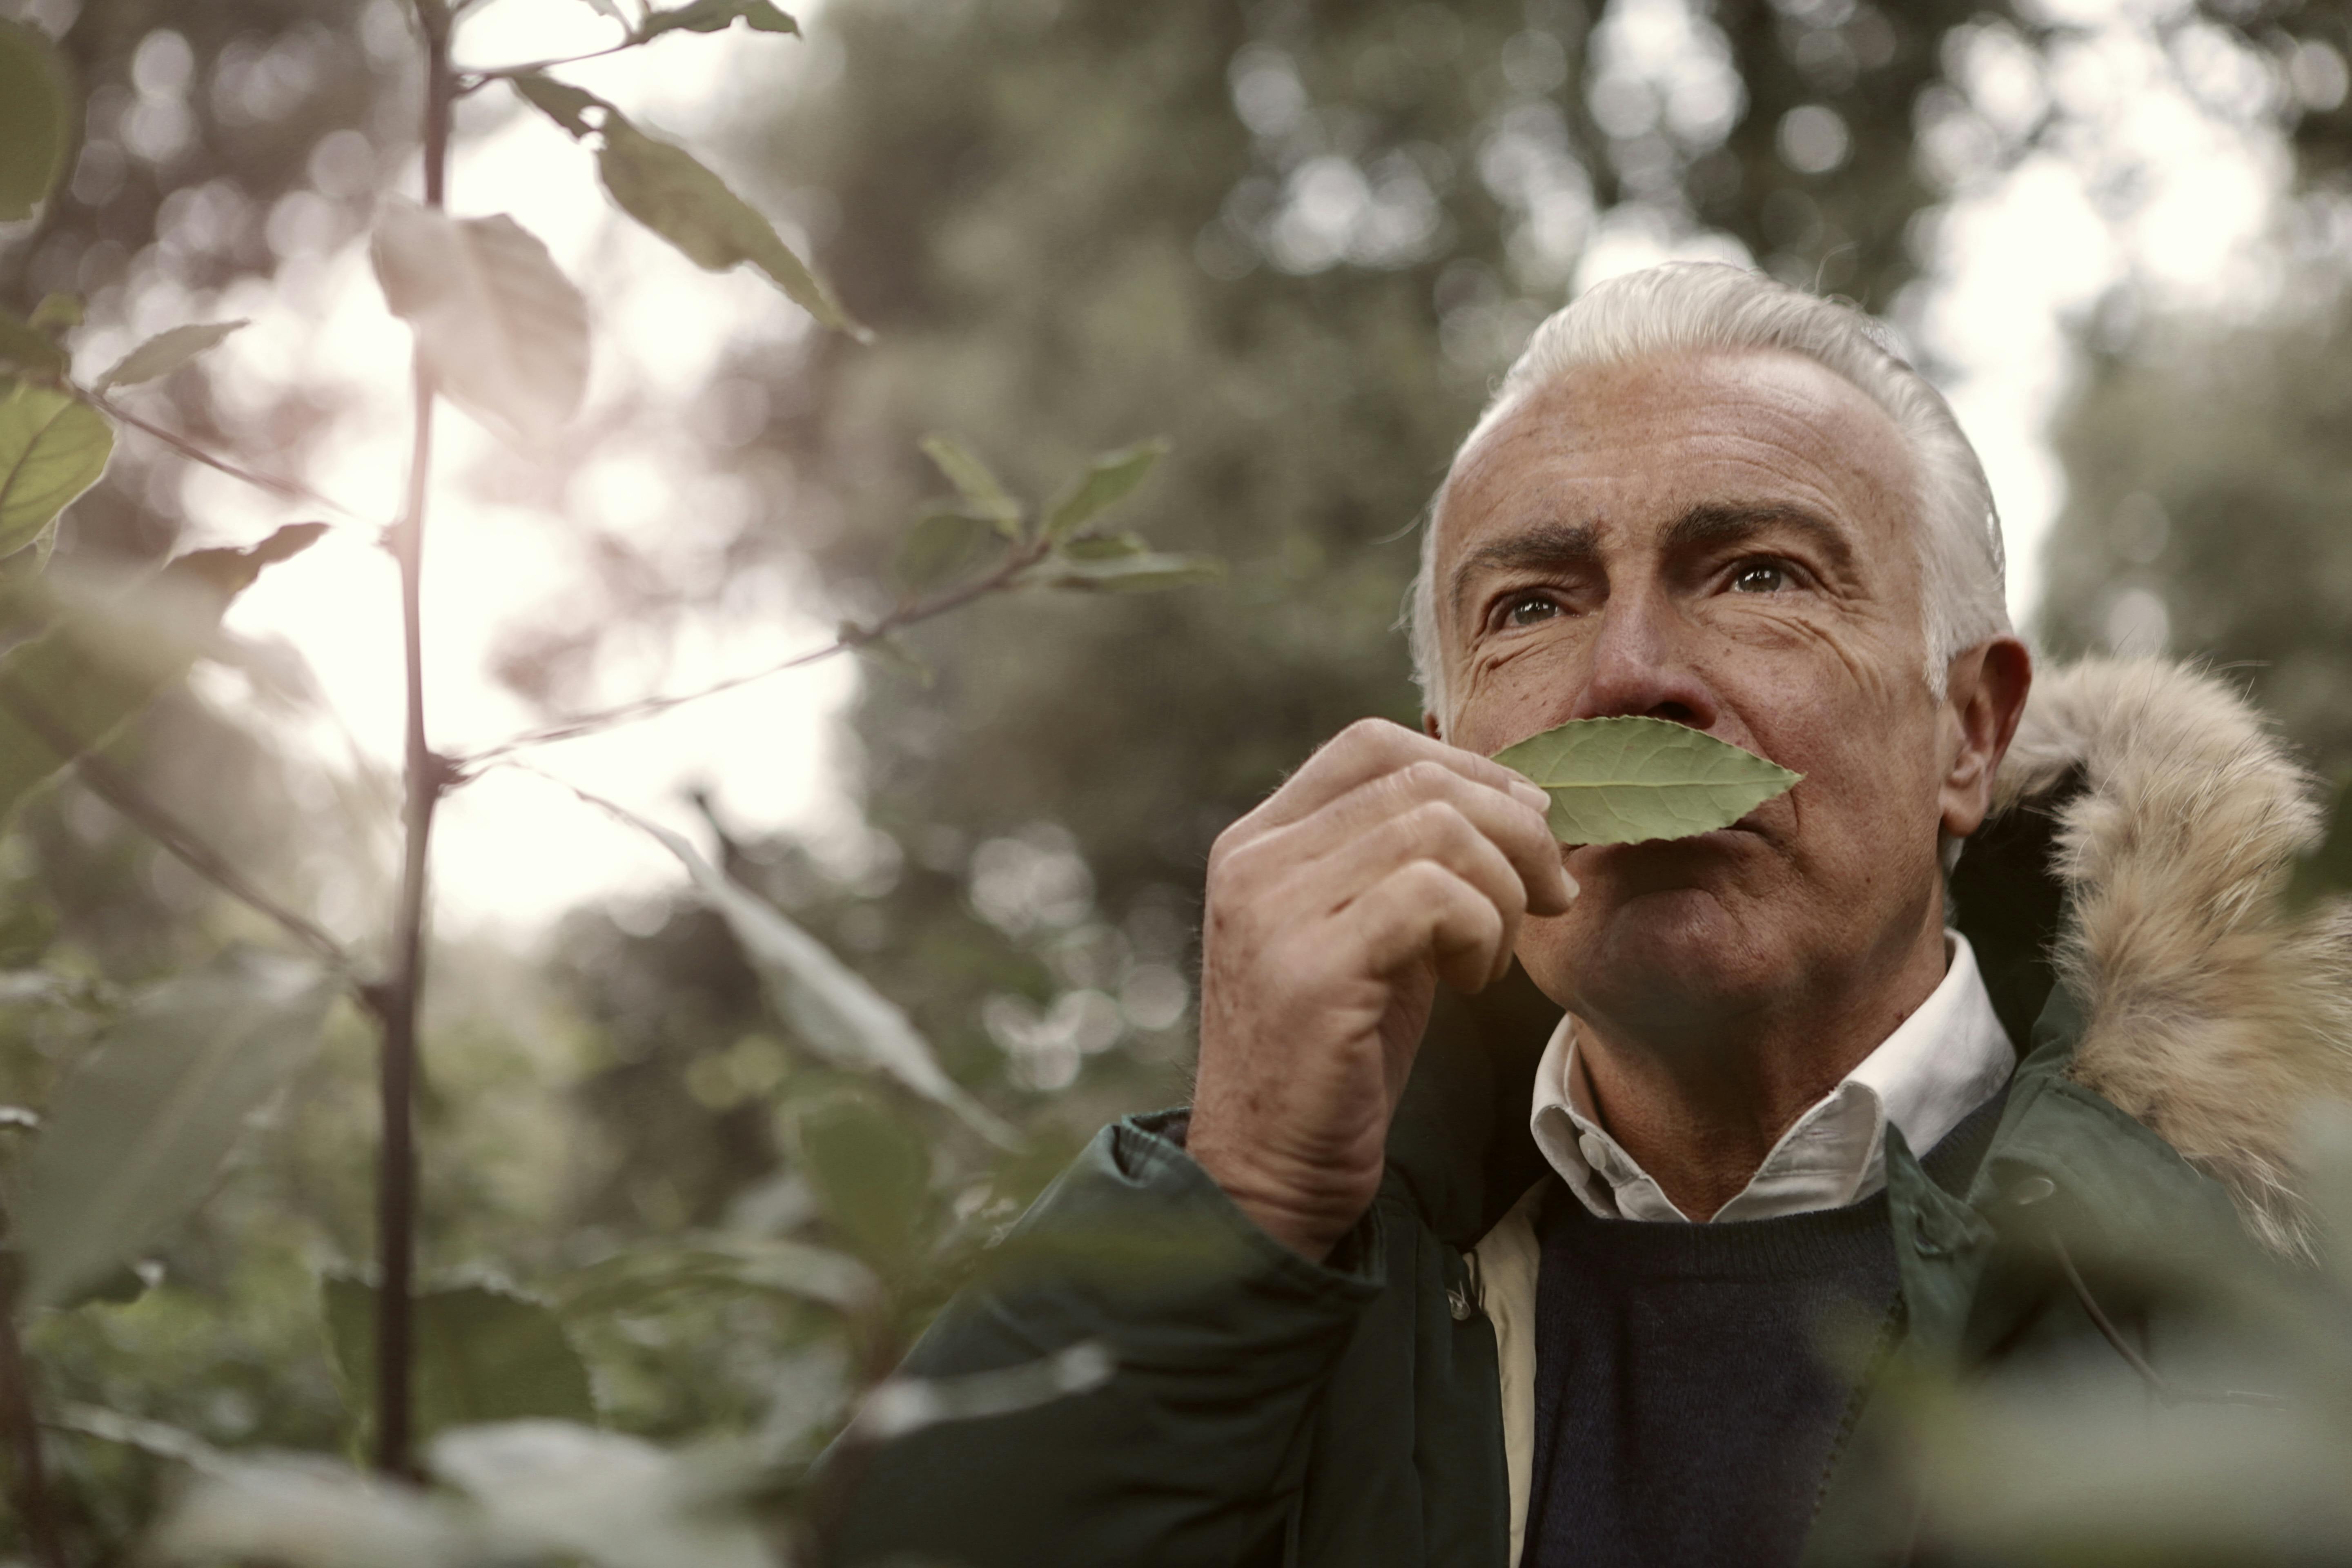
(1758, 421)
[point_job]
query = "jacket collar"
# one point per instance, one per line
(2145, 822)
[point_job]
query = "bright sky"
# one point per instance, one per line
(2021, 253)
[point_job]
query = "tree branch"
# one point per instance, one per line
(120, 791)
(470, 80)
(277, 485)
(1005, 577)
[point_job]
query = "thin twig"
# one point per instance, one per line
(471, 81)
(427, 780)
(275, 484)
(1004, 577)
(2160, 1385)
(120, 791)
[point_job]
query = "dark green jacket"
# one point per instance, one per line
(1266, 1410)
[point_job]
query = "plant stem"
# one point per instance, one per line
(427, 778)
(277, 485)
(28, 1488)
(1004, 575)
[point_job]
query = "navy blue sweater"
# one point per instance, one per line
(1692, 1381)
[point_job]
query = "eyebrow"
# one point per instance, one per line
(1543, 547)
(1711, 525)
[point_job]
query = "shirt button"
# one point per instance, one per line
(1595, 1155)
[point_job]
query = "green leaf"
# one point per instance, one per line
(53, 447)
(166, 353)
(69, 689)
(872, 1176)
(561, 101)
(717, 16)
(904, 1405)
(298, 1511)
(1106, 482)
(572, 1494)
(482, 1354)
(644, 1275)
(828, 1004)
(1125, 572)
(666, 189)
(1627, 780)
(56, 312)
(139, 1128)
(982, 495)
(1101, 547)
(894, 654)
(944, 542)
(35, 119)
(503, 331)
(28, 348)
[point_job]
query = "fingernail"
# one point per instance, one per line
(1531, 794)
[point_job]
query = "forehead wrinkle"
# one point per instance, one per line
(1549, 545)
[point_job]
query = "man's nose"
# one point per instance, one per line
(1640, 664)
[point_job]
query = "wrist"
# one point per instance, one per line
(1309, 1224)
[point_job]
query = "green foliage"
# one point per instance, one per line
(134, 1135)
(101, 661)
(872, 1173)
(830, 1007)
(35, 119)
(1628, 780)
(483, 1352)
(53, 447)
(717, 16)
(982, 490)
(166, 353)
(944, 544)
(1107, 480)
(26, 347)
(503, 331)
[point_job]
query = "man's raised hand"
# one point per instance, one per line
(1389, 861)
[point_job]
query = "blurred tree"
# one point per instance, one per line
(2207, 494)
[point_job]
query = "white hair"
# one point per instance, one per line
(1696, 307)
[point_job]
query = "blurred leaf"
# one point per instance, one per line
(53, 447)
(35, 119)
(561, 101)
(635, 1280)
(1109, 479)
(2328, 869)
(666, 189)
(872, 1174)
(904, 1405)
(56, 312)
(156, 1437)
(503, 331)
(1631, 780)
(27, 347)
(604, 1499)
(166, 353)
(481, 1355)
(894, 654)
(140, 1126)
(944, 541)
(979, 488)
(67, 690)
(19, 1119)
(1125, 573)
(828, 1004)
(1101, 547)
(607, 8)
(309, 1513)
(716, 16)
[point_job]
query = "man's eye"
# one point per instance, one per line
(1528, 609)
(1760, 577)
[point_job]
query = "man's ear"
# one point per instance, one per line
(1984, 698)
(1431, 727)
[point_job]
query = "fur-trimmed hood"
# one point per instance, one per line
(2215, 1018)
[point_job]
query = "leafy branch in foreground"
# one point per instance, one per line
(957, 553)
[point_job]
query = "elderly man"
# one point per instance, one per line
(1373, 1302)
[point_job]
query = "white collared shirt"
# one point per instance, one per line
(1946, 1059)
